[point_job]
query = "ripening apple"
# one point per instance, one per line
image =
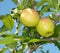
(45, 27)
(29, 17)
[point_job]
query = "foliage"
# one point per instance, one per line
(29, 37)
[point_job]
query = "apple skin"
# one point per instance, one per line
(29, 17)
(45, 27)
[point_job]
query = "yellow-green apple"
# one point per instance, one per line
(45, 27)
(29, 17)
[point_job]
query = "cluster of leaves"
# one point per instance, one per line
(29, 36)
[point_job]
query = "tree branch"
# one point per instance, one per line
(48, 40)
(34, 48)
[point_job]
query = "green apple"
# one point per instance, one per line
(29, 17)
(45, 27)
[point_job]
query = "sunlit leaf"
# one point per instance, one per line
(55, 3)
(20, 7)
(7, 40)
(8, 22)
(34, 40)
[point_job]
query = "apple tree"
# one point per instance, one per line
(33, 29)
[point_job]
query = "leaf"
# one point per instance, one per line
(34, 40)
(16, 15)
(57, 30)
(11, 35)
(26, 3)
(44, 9)
(8, 22)
(15, 1)
(55, 3)
(40, 3)
(20, 7)
(48, 1)
(7, 40)
(54, 17)
(1, 16)
(12, 45)
(57, 44)
(3, 30)
(24, 33)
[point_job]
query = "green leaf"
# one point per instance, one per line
(34, 40)
(15, 1)
(16, 15)
(48, 1)
(57, 30)
(3, 30)
(40, 3)
(10, 35)
(44, 9)
(53, 17)
(54, 3)
(7, 40)
(57, 44)
(20, 7)
(12, 45)
(24, 33)
(26, 3)
(8, 22)
(1, 16)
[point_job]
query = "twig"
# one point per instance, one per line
(34, 48)
(14, 50)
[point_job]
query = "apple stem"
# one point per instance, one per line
(32, 3)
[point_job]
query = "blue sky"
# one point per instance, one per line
(5, 8)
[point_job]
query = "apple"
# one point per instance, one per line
(45, 27)
(29, 17)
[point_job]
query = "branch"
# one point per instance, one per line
(34, 48)
(48, 40)
(14, 50)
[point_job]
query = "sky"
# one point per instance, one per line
(5, 8)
